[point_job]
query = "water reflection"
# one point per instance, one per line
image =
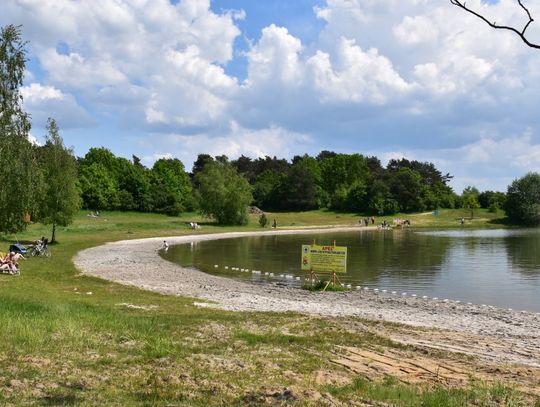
(496, 267)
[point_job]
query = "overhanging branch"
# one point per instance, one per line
(521, 34)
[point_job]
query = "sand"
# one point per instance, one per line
(497, 335)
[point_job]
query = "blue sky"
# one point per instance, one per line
(392, 78)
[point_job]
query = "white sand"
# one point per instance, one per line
(515, 334)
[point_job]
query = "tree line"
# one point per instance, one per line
(337, 181)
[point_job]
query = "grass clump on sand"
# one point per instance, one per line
(71, 339)
(322, 285)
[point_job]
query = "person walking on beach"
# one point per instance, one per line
(274, 224)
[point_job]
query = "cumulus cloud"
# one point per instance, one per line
(43, 102)
(236, 141)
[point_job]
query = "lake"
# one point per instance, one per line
(492, 267)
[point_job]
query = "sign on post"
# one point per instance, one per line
(324, 259)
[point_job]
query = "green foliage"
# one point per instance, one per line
(301, 190)
(171, 187)
(99, 190)
(523, 200)
(59, 200)
(263, 220)
(408, 190)
(18, 165)
(469, 199)
(487, 199)
(224, 194)
(268, 190)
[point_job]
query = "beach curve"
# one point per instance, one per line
(497, 335)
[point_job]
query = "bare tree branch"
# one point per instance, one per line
(521, 34)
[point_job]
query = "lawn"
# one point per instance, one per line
(69, 339)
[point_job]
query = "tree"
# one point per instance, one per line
(302, 185)
(223, 193)
(173, 177)
(18, 167)
(523, 200)
(520, 32)
(60, 200)
(98, 189)
(469, 199)
(407, 189)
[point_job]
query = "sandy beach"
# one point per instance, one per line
(495, 335)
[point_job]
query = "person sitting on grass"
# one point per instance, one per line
(9, 262)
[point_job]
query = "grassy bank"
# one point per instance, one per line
(68, 339)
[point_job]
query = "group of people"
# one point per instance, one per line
(9, 263)
(366, 221)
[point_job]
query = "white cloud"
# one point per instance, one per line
(238, 140)
(416, 30)
(43, 101)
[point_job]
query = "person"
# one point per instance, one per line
(165, 245)
(9, 262)
(274, 224)
(462, 221)
(372, 220)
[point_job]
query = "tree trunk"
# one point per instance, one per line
(53, 237)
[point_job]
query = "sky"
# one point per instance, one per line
(419, 79)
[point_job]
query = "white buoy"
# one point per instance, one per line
(226, 267)
(414, 295)
(271, 274)
(216, 266)
(469, 303)
(457, 302)
(384, 291)
(376, 289)
(297, 278)
(403, 294)
(366, 288)
(394, 292)
(445, 300)
(425, 297)
(435, 298)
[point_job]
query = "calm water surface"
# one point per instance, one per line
(494, 267)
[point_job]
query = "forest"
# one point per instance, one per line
(342, 182)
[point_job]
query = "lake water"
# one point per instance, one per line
(492, 267)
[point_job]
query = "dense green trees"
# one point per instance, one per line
(224, 195)
(523, 200)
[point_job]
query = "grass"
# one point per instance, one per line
(322, 285)
(70, 339)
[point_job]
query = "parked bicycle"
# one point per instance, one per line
(40, 248)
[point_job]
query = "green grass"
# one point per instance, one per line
(67, 339)
(391, 390)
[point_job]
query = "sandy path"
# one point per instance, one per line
(498, 335)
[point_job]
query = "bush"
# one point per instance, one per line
(523, 200)
(263, 220)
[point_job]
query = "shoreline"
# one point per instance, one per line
(494, 334)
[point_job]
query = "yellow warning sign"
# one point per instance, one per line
(324, 259)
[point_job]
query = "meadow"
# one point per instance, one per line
(70, 339)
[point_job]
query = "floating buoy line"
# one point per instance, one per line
(290, 277)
